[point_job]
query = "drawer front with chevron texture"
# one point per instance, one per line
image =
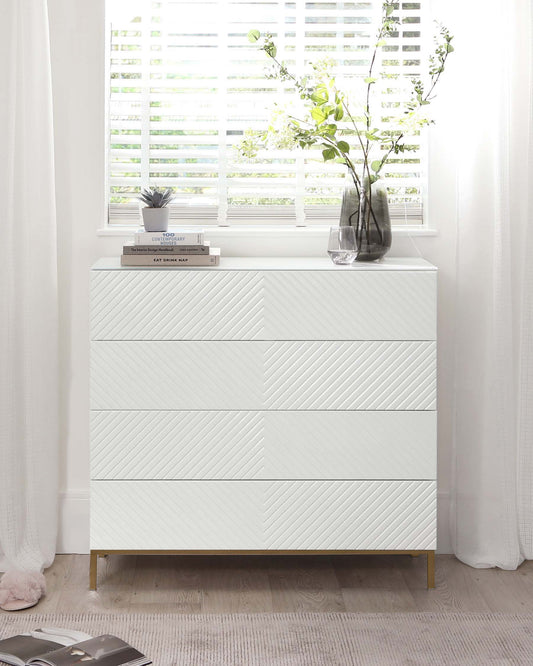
(263, 375)
(264, 405)
(263, 445)
(255, 305)
(177, 305)
(263, 515)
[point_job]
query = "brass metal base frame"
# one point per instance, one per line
(95, 554)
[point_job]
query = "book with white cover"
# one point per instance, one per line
(211, 259)
(131, 248)
(174, 236)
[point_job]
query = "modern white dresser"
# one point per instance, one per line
(266, 405)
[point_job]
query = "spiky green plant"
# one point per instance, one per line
(154, 197)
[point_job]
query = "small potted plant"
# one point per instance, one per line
(156, 213)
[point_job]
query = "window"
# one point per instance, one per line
(184, 83)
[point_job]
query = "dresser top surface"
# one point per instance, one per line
(278, 264)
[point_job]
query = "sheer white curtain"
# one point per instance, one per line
(492, 515)
(28, 292)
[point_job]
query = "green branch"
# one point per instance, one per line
(329, 107)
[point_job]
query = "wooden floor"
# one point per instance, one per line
(281, 584)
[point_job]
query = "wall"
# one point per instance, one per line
(77, 45)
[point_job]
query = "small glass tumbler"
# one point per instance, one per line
(341, 247)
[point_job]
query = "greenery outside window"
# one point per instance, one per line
(185, 84)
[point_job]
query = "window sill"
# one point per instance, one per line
(268, 232)
(272, 241)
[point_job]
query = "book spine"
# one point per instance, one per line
(170, 238)
(169, 260)
(166, 249)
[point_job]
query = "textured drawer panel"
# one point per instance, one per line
(263, 375)
(350, 445)
(364, 515)
(177, 445)
(350, 375)
(257, 515)
(176, 375)
(267, 445)
(269, 305)
(175, 515)
(363, 305)
(174, 305)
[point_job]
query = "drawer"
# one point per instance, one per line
(263, 305)
(263, 445)
(222, 375)
(263, 515)
(174, 515)
(362, 305)
(176, 305)
(346, 515)
(350, 375)
(176, 375)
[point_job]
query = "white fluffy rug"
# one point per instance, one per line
(308, 639)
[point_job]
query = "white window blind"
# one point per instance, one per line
(185, 84)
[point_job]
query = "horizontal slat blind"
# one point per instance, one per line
(185, 83)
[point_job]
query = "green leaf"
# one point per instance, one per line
(449, 48)
(376, 165)
(381, 42)
(320, 94)
(339, 112)
(329, 154)
(319, 97)
(253, 36)
(371, 137)
(343, 146)
(373, 179)
(370, 79)
(318, 115)
(389, 9)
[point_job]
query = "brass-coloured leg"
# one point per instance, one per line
(95, 554)
(431, 569)
(93, 570)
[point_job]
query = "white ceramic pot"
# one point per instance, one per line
(155, 219)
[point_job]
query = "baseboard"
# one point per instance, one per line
(444, 541)
(74, 522)
(73, 534)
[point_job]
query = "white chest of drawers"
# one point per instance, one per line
(266, 405)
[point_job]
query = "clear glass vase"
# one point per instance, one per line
(368, 212)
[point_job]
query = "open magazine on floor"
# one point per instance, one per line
(51, 646)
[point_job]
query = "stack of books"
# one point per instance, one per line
(175, 247)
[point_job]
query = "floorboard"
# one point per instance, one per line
(304, 584)
(360, 583)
